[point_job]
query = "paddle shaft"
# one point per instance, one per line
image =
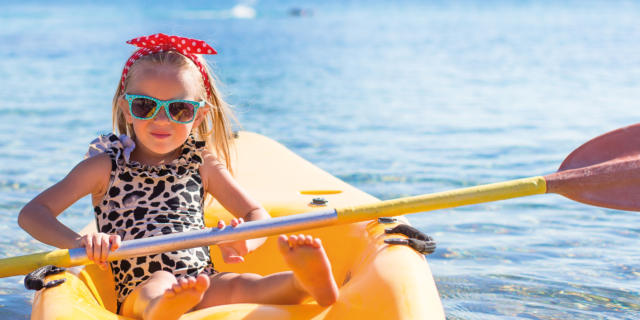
(286, 224)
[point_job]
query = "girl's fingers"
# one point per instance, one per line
(231, 254)
(234, 259)
(115, 242)
(236, 221)
(104, 249)
(97, 246)
(240, 248)
(88, 246)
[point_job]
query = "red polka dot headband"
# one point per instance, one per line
(160, 42)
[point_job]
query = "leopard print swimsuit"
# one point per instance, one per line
(147, 201)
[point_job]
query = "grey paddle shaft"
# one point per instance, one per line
(210, 236)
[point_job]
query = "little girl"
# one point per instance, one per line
(152, 178)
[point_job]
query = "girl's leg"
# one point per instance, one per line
(164, 297)
(310, 276)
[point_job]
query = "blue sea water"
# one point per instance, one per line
(396, 98)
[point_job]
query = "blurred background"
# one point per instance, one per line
(395, 97)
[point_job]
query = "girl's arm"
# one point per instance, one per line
(222, 186)
(39, 216)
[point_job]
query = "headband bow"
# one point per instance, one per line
(180, 44)
(160, 42)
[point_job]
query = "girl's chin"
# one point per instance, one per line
(161, 147)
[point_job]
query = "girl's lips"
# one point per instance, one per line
(160, 135)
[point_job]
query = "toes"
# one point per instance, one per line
(191, 281)
(199, 283)
(300, 240)
(202, 282)
(308, 240)
(182, 284)
(293, 240)
(317, 243)
(283, 243)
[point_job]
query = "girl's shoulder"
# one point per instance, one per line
(210, 161)
(99, 164)
(212, 170)
(93, 172)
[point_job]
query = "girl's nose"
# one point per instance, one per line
(162, 115)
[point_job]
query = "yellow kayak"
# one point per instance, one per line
(376, 280)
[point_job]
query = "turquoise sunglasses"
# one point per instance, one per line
(145, 108)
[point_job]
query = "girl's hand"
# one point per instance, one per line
(98, 245)
(233, 252)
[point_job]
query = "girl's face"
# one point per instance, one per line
(159, 138)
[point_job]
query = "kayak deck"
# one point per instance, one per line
(376, 280)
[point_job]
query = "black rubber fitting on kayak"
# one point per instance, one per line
(387, 220)
(409, 231)
(418, 240)
(35, 279)
(319, 202)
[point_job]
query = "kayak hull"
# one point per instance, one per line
(376, 280)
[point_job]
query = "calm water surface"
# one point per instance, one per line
(397, 100)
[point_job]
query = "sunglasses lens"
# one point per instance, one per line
(181, 111)
(143, 107)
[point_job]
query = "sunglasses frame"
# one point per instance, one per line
(163, 104)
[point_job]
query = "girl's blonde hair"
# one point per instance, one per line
(215, 130)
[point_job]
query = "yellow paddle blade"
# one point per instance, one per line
(446, 199)
(24, 264)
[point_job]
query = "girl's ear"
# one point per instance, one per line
(124, 108)
(200, 116)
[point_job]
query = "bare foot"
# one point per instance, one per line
(179, 299)
(308, 261)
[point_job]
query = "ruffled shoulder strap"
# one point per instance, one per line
(192, 149)
(117, 147)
